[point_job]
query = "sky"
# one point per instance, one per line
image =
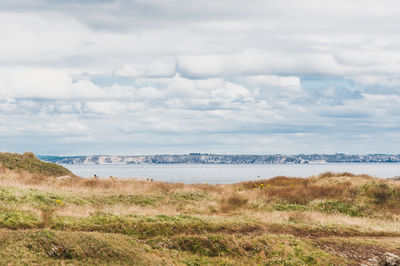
(123, 77)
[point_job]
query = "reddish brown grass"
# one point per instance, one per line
(233, 202)
(276, 181)
(305, 194)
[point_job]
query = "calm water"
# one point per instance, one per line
(222, 174)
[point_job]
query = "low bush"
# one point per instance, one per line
(332, 174)
(381, 196)
(304, 194)
(292, 190)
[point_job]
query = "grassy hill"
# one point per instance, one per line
(330, 219)
(29, 163)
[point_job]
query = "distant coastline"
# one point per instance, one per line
(198, 158)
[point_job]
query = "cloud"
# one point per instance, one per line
(212, 76)
(153, 69)
(44, 84)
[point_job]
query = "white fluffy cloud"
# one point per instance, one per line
(211, 76)
(44, 84)
(153, 69)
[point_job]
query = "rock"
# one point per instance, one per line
(390, 259)
(387, 259)
(396, 178)
(374, 261)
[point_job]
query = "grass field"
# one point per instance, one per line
(330, 219)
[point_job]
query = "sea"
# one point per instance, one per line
(227, 173)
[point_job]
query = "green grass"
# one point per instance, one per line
(188, 196)
(28, 162)
(220, 249)
(352, 210)
(330, 207)
(7, 196)
(140, 200)
(291, 207)
(150, 223)
(46, 247)
(49, 247)
(17, 219)
(380, 194)
(144, 227)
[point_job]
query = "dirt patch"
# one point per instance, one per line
(316, 232)
(356, 253)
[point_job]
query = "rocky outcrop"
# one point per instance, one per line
(387, 259)
(198, 158)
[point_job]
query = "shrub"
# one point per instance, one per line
(304, 194)
(331, 174)
(237, 200)
(379, 194)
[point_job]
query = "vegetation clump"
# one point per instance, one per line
(332, 207)
(380, 193)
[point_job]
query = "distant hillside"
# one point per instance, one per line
(30, 163)
(197, 158)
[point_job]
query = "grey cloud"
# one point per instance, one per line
(218, 76)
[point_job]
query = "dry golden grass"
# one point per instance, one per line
(255, 198)
(319, 206)
(279, 221)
